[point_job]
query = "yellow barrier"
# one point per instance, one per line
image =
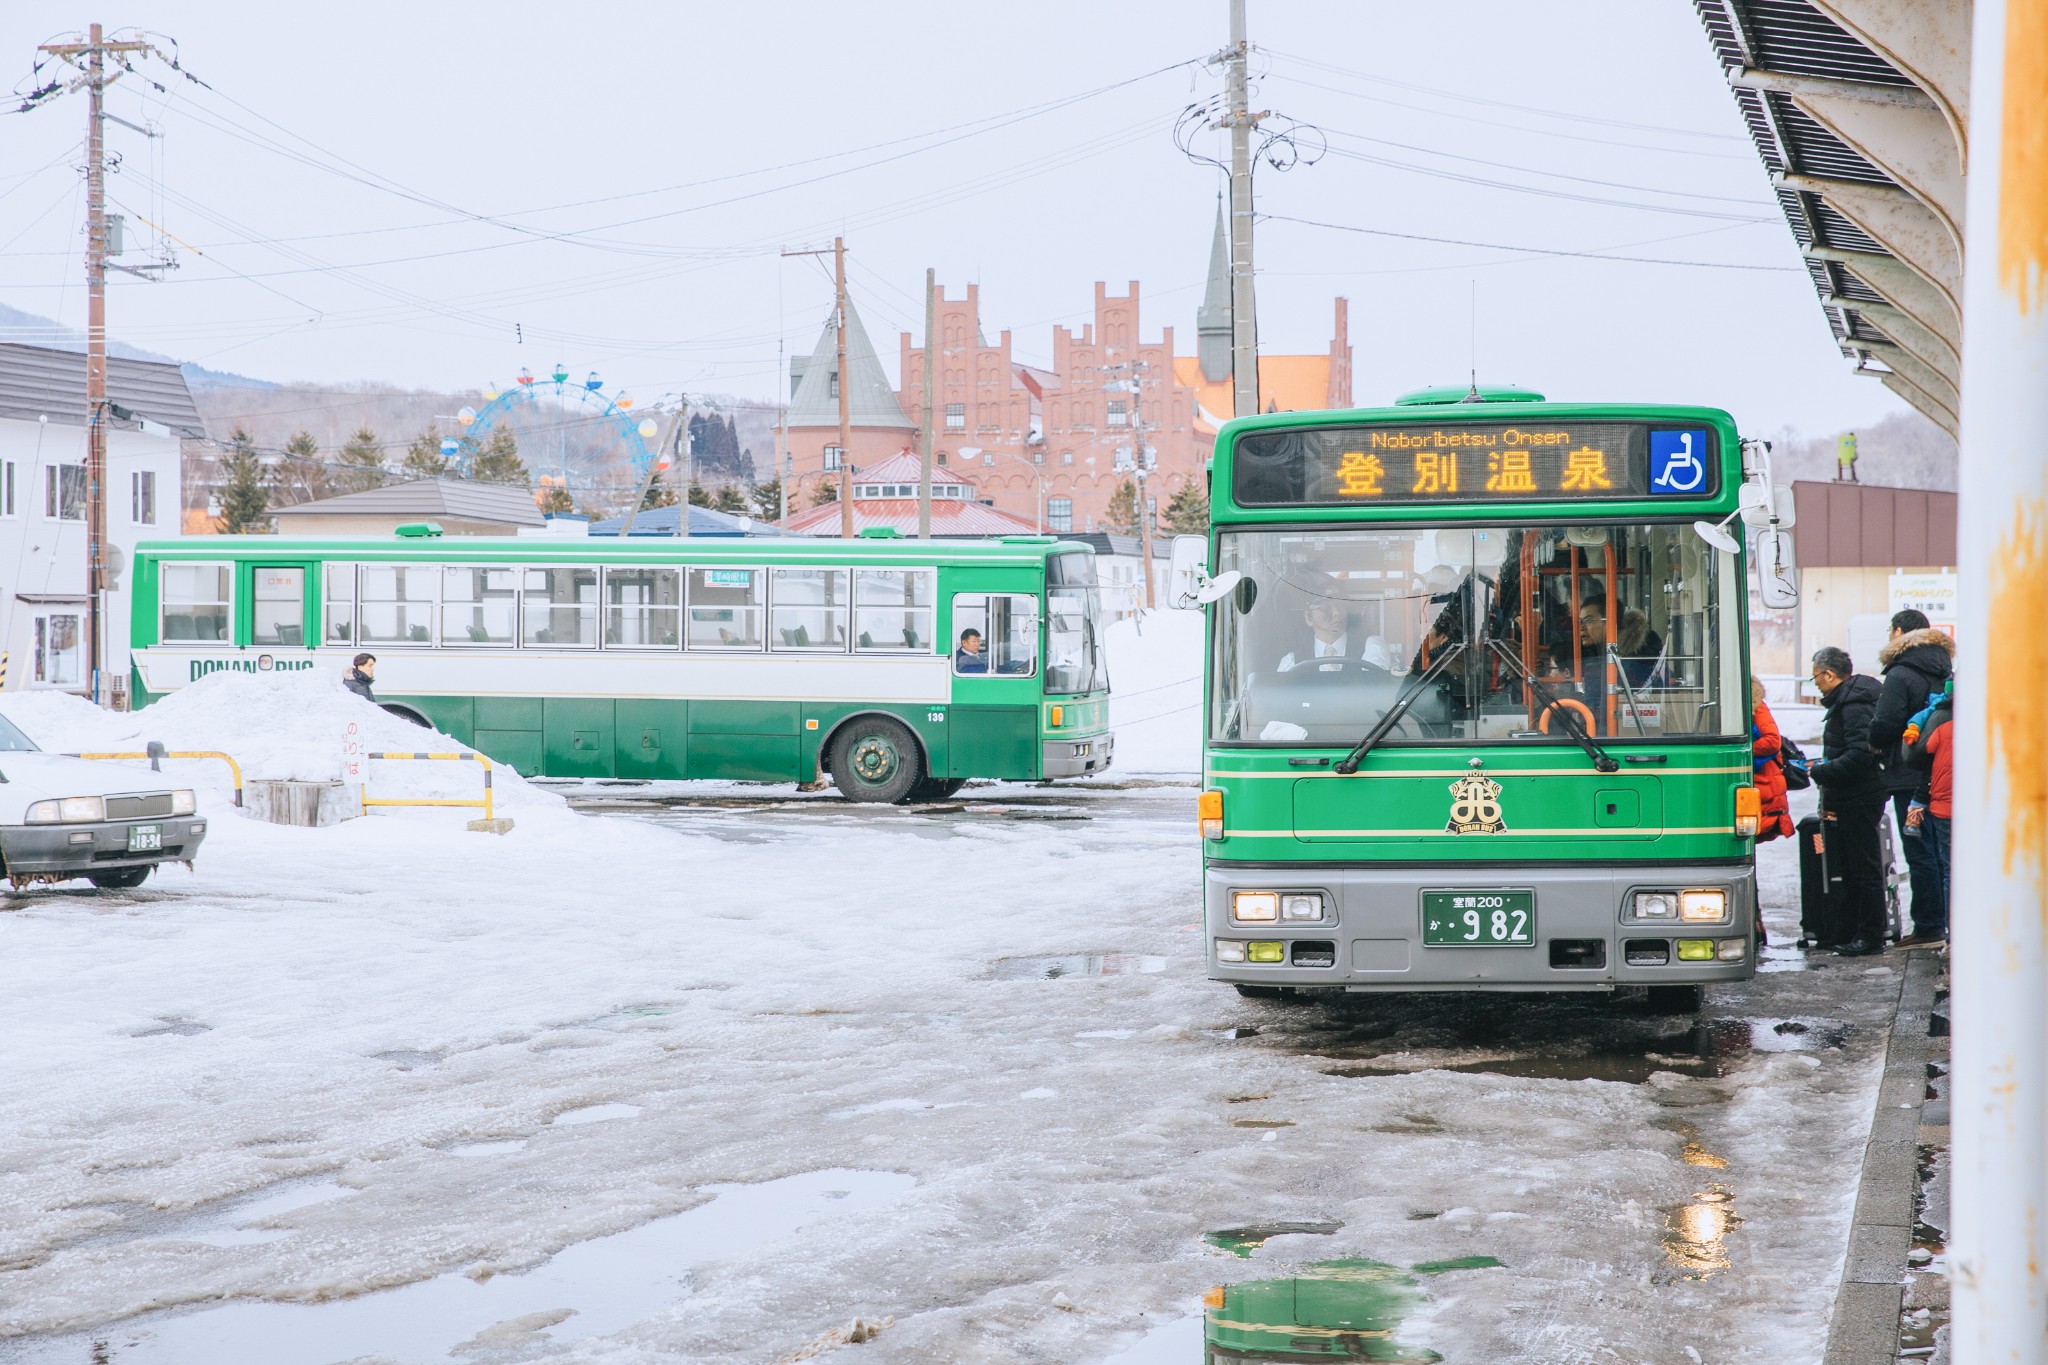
(233, 766)
(369, 800)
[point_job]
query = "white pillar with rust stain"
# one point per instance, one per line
(1999, 1247)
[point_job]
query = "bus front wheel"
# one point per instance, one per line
(876, 759)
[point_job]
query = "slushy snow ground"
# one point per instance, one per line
(682, 1096)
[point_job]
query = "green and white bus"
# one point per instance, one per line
(764, 660)
(1478, 699)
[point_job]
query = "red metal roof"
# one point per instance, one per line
(950, 517)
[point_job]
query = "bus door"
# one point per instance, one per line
(280, 610)
(995, 685)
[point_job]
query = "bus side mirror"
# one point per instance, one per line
(1777, 575)
(1188, 572)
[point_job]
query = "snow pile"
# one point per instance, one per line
(278, 726)
(1155, 700)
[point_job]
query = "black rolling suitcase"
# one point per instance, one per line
(1820, 887)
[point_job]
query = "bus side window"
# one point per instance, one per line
(970, 633)
(196, 602)
(808, 610)
(892, 611)
(338, 605)
(398, 604)
(640, 608)
(725, 608)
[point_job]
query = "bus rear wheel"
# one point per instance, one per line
(876, 759)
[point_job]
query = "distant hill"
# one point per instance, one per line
(29, 329)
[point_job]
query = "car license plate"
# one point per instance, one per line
(1479, 919)
(145, 838)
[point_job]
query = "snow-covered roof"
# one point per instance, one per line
(704, 521)
(950, 517)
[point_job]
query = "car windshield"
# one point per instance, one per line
(1073, 640)
(1630, 625)
(13, 741)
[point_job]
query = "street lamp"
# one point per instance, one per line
(1037, 484)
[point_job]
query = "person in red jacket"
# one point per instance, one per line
(1931, 749)
(1764, 745)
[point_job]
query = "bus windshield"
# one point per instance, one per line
(1629, 625)
(1073, 640)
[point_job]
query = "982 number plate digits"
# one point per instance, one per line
(1479, 919)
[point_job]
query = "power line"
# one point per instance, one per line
(1528, 250)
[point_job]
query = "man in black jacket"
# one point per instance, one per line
(1916, 662)
(361, 676)
(1852, 793)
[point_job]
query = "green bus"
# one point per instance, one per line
(1477, 697)
(899, 667)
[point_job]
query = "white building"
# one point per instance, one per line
(42, 503)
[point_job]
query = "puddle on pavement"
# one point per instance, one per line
(1349, 1309)
(594, 1113)
(238, 1224)
(586, 1290)
(1615, 1049)
(1242, 1242)
(1078, 964)
(1696, 1235)
(488, 1147)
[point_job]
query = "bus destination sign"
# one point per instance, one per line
(1474, 462)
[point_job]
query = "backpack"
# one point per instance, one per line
(1798, 773)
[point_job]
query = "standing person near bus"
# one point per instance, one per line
(361, 674)
(1852, 796)
(1916, 662)
(1931, 748)
(1765, 746)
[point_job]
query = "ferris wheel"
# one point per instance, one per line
(570, 433)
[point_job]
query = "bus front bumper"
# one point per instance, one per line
(1076, 757)
(1370, 936)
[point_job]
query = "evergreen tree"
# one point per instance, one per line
(243, 498)
(300, 476)
(498, 461)
(659, 494)
(361, 465)
(554, 500)
(1187, 511)
(826, 493)
(698, 497)
(767, 500)
(1122, 514)
(423, 458)
(730, 499)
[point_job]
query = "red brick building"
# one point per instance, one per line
(1067, 434)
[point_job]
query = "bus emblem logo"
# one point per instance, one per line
(1475, 805)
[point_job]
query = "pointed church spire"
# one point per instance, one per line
(1212, 319)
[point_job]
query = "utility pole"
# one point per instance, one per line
(1999, 1248)
(1244, 321)
(89, 57)
(840, 382)
(1143, 471)
(677, 436)
(781, 431)
(924, 478)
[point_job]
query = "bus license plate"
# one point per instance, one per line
(145, 838)
(1479, 919)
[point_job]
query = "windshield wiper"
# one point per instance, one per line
(1349, 763)
(1602, 760)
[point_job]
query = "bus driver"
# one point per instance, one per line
(1331, 634)
(969, 658)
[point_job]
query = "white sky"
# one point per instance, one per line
(314, 268)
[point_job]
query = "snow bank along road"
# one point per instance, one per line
(708, 1080)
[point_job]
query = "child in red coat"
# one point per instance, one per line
(1764, 745)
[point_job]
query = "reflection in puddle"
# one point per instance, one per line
(1079, 964)
(1632, 1055)
(1696, 1234)
(1242, 1242)
(586, 1290)
(1349, 1309)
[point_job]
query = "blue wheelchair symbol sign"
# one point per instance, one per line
(1677, 461)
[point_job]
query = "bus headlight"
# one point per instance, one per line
(1266, 952)
(1301, 905)
(1703, 907)
(1695, 950)
(1656, 905)
(1732, 949)
(1229, 950)
(1254, 906)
